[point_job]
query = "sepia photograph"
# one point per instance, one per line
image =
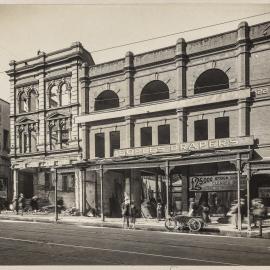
(135, 134)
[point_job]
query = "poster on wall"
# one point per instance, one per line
(216, 183)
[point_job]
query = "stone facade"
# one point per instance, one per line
(46, 98)
(211, 94)
(5, 188)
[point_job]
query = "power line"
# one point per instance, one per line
(177, 33)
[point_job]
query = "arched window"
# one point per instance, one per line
(106, 100)
(53, 97)
(23, 107)
(153, 91)
(32, 104)
(65, 95)
(211, 80)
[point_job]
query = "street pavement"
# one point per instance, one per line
(30, 243)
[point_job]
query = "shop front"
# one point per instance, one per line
(216, 178)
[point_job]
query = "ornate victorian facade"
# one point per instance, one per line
(46, 95)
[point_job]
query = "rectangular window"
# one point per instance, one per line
(201, 130)
(164, 134)
(64, 138)
(99, 145)
(47, 186)
(6, 137)
(53, 138)
(114, 141)
(64, 183)
(68, 182)
(146, 136)
(222, 127)
(25, 142)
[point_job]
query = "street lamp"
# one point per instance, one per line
(55, 193)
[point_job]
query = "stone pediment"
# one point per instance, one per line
(56, 115)
(25, 120)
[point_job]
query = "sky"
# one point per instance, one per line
(26, 28)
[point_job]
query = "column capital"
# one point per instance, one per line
(129, 57)
(242, 32)
(180, 47)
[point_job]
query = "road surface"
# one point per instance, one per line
(25, 243)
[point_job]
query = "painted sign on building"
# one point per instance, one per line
(185, 147)
(216, 183)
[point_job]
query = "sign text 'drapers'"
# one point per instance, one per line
(186, 147)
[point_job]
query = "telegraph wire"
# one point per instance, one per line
(173, 34)
(177, 33)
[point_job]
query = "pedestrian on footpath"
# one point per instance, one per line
(21, 203)
(133, 214)
(34, 204)
(14, 205)
(205, 212)
(159, 211)
(126, 212)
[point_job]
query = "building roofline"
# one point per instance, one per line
(5, 101)
(173, 46)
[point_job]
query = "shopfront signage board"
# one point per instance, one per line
(216, 182)
(186, 147)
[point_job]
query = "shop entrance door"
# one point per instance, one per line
(26, 185)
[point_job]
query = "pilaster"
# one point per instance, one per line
(243, 127)
(107, 144)
(243, 55)
(128, 69)
(84, 80)
(181, 125)
(85, 141)
(129, 139)
(180, 61)
(13, 104)
(15, 177)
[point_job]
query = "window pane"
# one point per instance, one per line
(114, 141)
(64, 183)
(6, 137)
(23, 103)
(201, 130)
(32, 102)
(164, 134)
(65, 95)
(99, 145)
(146, 136)
(54, 137)
(222, 127)
(54, 101)
(64, 137)
(33, 141)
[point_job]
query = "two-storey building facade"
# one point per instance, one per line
(184, 122)
(45, 99)
(178, 123)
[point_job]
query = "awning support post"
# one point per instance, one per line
(239, 223)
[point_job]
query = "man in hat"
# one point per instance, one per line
(126, 211)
